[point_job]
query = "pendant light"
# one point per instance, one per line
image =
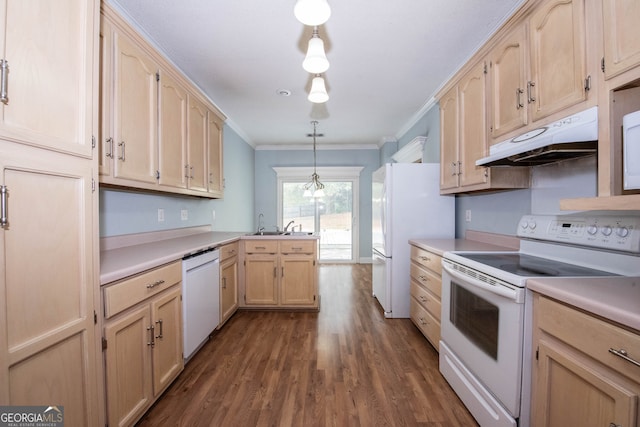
(318, 93)
(314, 188)
(312, 12)
(316, 61)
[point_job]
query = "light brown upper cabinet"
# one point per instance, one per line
(197, 162)
(463, 130)
(539, 67)
(157, 129)
(621, 37)
(172, 142)
(47, 56)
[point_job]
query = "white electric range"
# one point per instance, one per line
(486, 312)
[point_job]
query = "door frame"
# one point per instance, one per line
(327, 174)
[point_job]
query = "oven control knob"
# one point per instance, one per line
(592, 229)
(606, 230)
(532, 225)
(524, 224)
(622, 231)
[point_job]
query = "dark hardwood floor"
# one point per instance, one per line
(344, 366)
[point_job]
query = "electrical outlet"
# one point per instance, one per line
(184, 214)
(160, 215)
(213, 215)
(467, 215)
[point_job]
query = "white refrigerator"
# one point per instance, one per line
(406, 205)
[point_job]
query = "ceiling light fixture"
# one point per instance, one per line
(314, 188)
(318, 93)
(316, 61)
(312, 12)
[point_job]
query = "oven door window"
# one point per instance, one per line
(476, 318)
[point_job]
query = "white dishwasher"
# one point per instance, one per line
(200, 298)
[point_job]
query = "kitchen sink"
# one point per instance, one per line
(281, 233)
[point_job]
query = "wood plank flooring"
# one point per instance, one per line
(344, 366)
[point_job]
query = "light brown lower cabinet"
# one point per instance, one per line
(228, 281)
(578, 379)
(143, 340)
(426, 288)
(281, 273)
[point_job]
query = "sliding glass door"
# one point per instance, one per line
(332, 216)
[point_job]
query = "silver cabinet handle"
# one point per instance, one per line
(154, 284)
(530, 97)
(224, 283)
(109, 153)
(623, 354)
(453, 168)
(151, 343)
(122, 144)
(4, 220)
(159, 322)
(519, 103)
(186, 171)
(210, 177)
(4, 81)
(191, 172)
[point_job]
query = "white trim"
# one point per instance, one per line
(304, 172)
(412, 152)
(307, 147)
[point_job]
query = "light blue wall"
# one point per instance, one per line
(125, 212)
(266, 181)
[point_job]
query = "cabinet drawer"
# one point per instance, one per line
(427, 259)
(590, 335)
(426, 299)
(427, 279)
(298, 246)
(228, 251)
(261, 246)
(129, 292)
(429, 326)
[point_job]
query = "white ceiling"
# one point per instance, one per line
(388, 59)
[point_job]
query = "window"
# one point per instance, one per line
(333, 217)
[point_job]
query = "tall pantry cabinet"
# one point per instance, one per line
(49, 339)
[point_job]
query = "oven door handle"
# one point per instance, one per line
(503, 291)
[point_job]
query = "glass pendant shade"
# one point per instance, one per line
(316, 61)
(312, 12)
(318, 93)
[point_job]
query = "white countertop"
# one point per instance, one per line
(614, 298)
(121, 262)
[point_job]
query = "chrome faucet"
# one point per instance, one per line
(260, 223)
(287, 226)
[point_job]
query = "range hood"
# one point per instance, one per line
(572, 137)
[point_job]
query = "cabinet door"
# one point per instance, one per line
(558, 57)
(449, 140)
(135, 112)
(105, 93)
(168, 362)
(172, 140)
(566, 382)
(228, 288)
(215, 155)
(48, 334)
(508, 83)
(621, 39)
(49, 49)
(197, 135)
(128, 366)
(298, 280)
(473, 126)
(261, 278)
